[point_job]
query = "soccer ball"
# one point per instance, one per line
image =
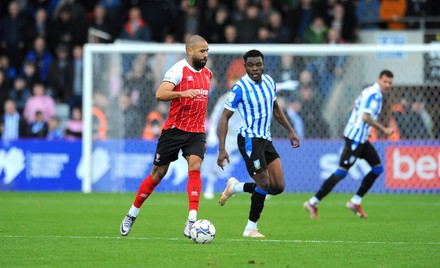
(202, 232)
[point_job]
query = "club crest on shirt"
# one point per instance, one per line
(190, 78)
(257, 164)
(207, 79)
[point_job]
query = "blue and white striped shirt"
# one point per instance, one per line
(255, 104)
(11, 127)
(370, 102)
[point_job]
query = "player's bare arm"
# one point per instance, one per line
(369, 120)
(222, 130)
(165, 92)
(279, 115)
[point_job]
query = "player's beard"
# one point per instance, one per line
(198, 64)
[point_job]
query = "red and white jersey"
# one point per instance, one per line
(185, 113)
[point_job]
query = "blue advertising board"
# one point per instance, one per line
(36, 165)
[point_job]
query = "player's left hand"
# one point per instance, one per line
(294, 140)
(223, 158)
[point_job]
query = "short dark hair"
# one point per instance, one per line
(253, 53)
(387, 73)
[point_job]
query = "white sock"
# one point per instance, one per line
(314, 201)
(134, 211)
(251, 225)
(192, 216)
(357, 200)
(239, 187)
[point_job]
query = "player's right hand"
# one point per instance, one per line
(388, 131)
(190, 93)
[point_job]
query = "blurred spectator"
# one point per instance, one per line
(215, 32)
(247, 28)
(100, 127)
(154, 122)
(417, 8)
(12, 124)
(138, 83)
(39, 27)
(263, 36)
(112, 10)
(187, 20)
(133, 119)
(266, 8)
(48, 5)
(293, 111)
(74, 126)
(64, 30)
(39, 102)
(136, 28)
(290, 68)
(30, 73)
(316, 33)
(20, 93)
(330, 68)
(38, 128)
(301, 18)
(230, 34)
(392, 11)
(401, 112)
(75, 99)
(367, 10)
(13, 35)
(239, 10)
(421, 121)
(60, 78)
(344, 21)
(55, 132)
(4, 89)
(207, 22)
(161, 16)
(6, 68)
(77, 9)
(102, 23)
(279, 32)
(42, 58)
(315, 125)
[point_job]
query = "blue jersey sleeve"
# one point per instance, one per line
(234, 98)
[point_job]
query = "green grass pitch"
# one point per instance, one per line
(82, 230)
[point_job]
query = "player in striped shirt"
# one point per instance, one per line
(186, 85)
(254, 96)
(366, 110)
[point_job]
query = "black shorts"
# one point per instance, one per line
(352, 151)
(172, 140)
(257, 153)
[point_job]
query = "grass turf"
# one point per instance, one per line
(82, 230)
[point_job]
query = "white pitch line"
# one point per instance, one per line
(297, 241)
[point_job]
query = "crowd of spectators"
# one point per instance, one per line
(41, 45)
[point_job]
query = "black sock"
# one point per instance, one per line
(257, 204)
(249, 187)
(367, 182)
(328, 185)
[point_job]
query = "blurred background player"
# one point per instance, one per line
(235, 71)
(187, 86)
(364, 115)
